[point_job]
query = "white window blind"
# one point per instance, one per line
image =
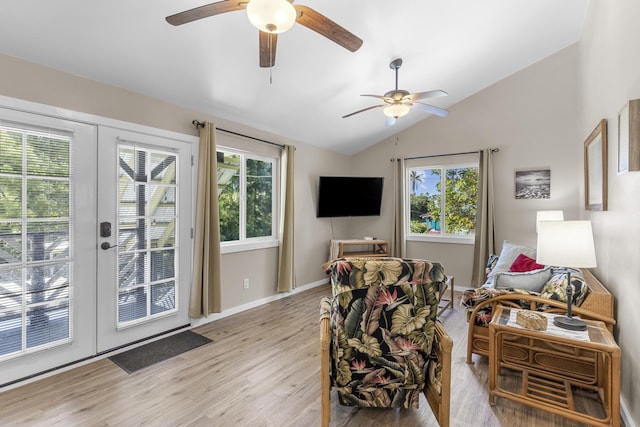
(36, 178)
(147, 224)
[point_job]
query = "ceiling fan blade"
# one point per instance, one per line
(436, 111)
(390, 121)
(268, 42)
(428, 94)
(363, 110)
(205, 11)
(322, 25)
(384, 98)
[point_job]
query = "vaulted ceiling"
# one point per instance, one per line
(211, 65)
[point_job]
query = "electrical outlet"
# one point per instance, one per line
(245, 284)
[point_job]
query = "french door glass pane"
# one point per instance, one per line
(44, 162)
(11, 200)
(163, 297)
(48, 323)
(35, 240)
(147, 218)
(49, 240)
(10, 243)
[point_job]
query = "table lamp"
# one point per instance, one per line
(566, 244)
(548, 216)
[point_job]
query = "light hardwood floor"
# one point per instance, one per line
(262, 369)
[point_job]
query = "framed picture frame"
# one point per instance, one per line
(629, 137)
(595, 169)
(533, 183)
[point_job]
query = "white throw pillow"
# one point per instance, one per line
(533, 280)
(509, 254)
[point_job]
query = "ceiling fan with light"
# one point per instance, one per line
(273, 17)
(398, 102)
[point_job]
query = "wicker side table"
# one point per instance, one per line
(544, 386)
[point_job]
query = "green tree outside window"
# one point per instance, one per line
(457, 187)
(245, 196)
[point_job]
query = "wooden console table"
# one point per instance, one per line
(368, 248)
(542, 385)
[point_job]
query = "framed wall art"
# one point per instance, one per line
(595, 169)
(533, 183)
(629, 137)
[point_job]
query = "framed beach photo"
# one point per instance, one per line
(595, 169)
(533, 183)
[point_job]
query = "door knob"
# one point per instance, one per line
(107, 245)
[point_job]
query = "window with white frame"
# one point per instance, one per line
(442, 200)
(36, 287)
(247, 195)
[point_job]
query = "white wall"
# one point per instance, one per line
(313, 234)
(531, 117)
(609, 66)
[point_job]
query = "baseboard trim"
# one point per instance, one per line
(625, 414)
(253, 304)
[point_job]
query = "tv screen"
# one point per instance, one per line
(349, 196)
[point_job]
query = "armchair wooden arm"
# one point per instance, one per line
(439, 396)
(325, 379)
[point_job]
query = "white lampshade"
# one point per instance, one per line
(566, 244)
(271, 16)
(548, 216)
(396, 110)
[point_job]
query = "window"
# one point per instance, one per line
(442, 201)
(36, 175)
(147, 223)
(246, 201)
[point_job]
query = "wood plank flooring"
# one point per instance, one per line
(261, 370)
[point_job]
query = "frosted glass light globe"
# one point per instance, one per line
(271, 16)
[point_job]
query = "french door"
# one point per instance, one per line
(144, 215)
(47, 243)
(95, 242)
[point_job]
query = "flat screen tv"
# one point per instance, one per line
(340, 196)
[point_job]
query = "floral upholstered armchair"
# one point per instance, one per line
(381, 343)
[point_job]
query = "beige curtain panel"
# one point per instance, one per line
(485, 243)
(286, 271)
(205, 295)
(398, 245)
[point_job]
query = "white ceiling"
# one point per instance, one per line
(211, 65)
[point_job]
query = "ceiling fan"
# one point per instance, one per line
(398, 102)
(273, 17)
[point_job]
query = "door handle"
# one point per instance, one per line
(107, 245)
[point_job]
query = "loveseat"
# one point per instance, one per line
(514, 279)
(381, 342)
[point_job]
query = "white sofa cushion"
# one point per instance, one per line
(510, 252)
(533, 280)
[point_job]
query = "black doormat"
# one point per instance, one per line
(157, 351)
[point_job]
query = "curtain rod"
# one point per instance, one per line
(493, 150)
(199, 124)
